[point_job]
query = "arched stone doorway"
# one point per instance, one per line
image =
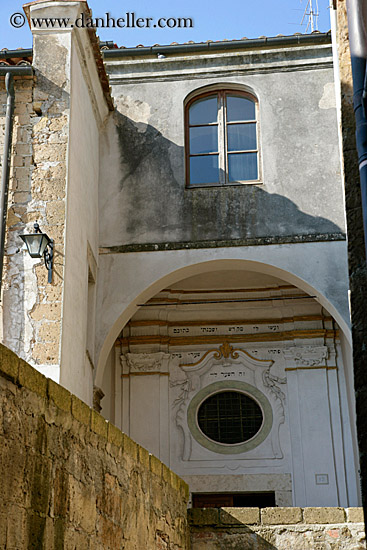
(248, 332)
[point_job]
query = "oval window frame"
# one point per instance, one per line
(234, 448)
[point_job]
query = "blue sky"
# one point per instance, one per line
(214, 20)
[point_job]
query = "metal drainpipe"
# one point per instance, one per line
(357, 25)
(9, 84)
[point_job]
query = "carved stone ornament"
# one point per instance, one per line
(306, 356)
(272, 382)
(98, 395)
(227, 367)
(226, 351)
(145, 362)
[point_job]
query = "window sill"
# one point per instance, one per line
(234, 184)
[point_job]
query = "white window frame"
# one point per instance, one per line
(222, 137)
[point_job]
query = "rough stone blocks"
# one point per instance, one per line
(64, 488)
(32, 379)
(239, 516)
(279, 516)
(59, 395)
(324, 515)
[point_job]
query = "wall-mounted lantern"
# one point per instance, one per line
(39, 244)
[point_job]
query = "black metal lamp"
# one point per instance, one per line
(39, 244)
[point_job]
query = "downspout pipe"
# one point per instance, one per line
(9, 85)
(357, 25)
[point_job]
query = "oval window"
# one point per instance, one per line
(230, 417)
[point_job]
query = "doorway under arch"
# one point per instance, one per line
(277, 343)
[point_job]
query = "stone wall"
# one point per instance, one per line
(55, 166)
(20, 193)
(277, 529)
(31, 309)
(72, 480)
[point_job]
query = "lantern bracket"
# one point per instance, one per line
(40, 246)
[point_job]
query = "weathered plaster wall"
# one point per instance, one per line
(72, 480)
(19, 195)
(144, 199)
(356, 245)
(277, 529)
(55, 175)
(50, 142)
(88, 110)
(31, 307)
(151, 225)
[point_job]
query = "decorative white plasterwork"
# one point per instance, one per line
(235, 365)
(145, 362)
(306, 356)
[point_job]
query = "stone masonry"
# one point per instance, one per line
(70, 479)
(17, 216)
(31, 307)
(277, 529)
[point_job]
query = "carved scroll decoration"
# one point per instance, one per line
(145, 362)
(190, 379)
(307, 356)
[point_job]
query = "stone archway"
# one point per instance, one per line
(168, 333)
(127, 284)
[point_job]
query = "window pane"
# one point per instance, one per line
(240, 108)
(230, 417)
(203, 139)
(242, 167)
(204, 111)
(241, 137)
(204, 169)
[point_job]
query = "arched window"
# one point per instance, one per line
(222, 138)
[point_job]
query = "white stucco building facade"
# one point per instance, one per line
(173, 292)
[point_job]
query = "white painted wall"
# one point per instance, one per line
(126, 280)
(303, 378)
(87, 112)
(309, 440)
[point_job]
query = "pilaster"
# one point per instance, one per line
(315, 423)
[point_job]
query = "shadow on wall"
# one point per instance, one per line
(216, 528)
(155, 206)
(276, 528)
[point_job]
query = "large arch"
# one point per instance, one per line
(139, 276)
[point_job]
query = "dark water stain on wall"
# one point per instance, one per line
(40, 488)
(158, 207)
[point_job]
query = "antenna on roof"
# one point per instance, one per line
(310, 15)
